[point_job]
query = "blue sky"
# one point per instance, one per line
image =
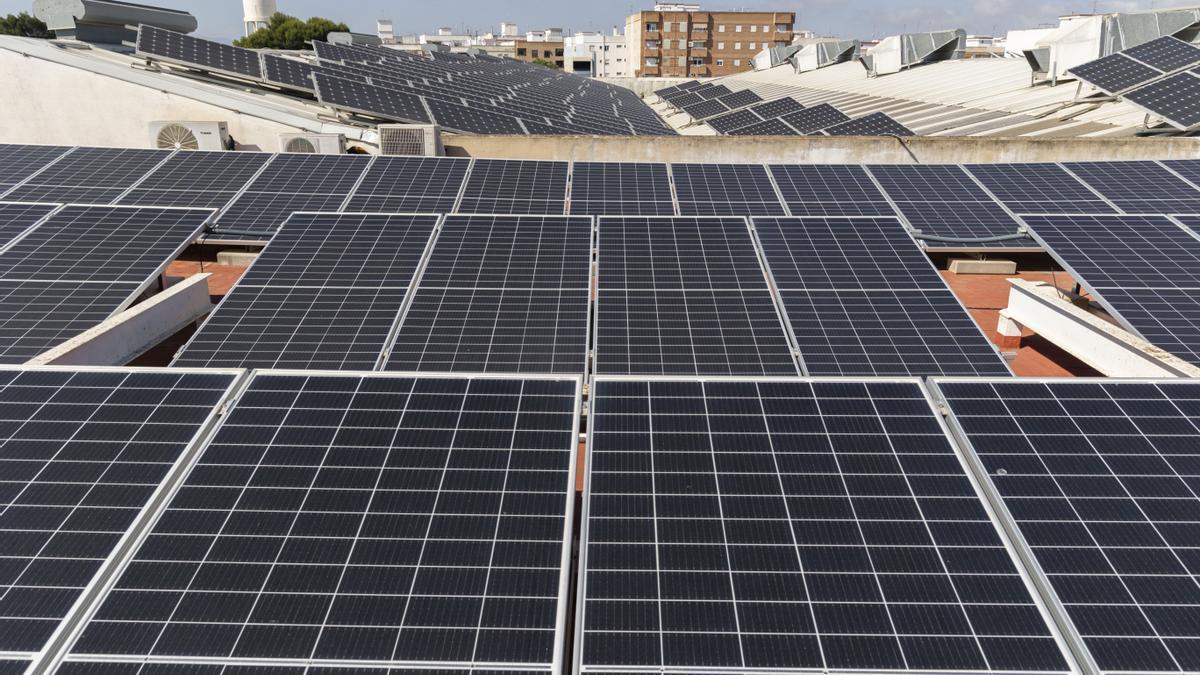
(846, 18)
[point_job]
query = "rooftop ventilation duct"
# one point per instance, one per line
(822, 54)
(1080, 39)
(774, 56)
(353, 39)
(906, 50)
(106, 21)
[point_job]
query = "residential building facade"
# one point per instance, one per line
(598, 55)
(684, 41)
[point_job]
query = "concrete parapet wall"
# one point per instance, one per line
(821, 149)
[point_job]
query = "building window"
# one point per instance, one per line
(737, 62)
(697, 62)
(651, 28)
(558, 52)
(737, 29)
(651, 61)
(782, 28)
(666, 26)
(753, 29)
(697, 45)
(720, 62)
(652, 44)
(700, 28)
(721, 28)
(753, 45)
(720, 45)
(737, 45)
(520, 51)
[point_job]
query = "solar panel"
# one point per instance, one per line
(14, 667)
(410, 185)
(741, 99)
(102, 244)
(515, 186)
(325, 294)
(777, 108)
(17, 217)
(863, 299)
(501, 294)
(368, 99)
(621, 188)
(1038, 188)
(792, 525)
(829, 190)
(36, 316)
(1142, 268)
(89, 176)
(166, 45)
(1115, 73)
(1097, 477)
(335, 519)
(875, 124)
(944, 201)
(1139, 187)
(293, 183)
(685, 296)
(84, 452)
(815, 118)
(1187, 168)
(1167, 54)
(291, 73)
(475, 120)
(18, 162)
(198, 179)
(715, 91)
(735, 120)
(684, 99)
(725, 190)
(1173, 98)
(775, 127)
(705, 109)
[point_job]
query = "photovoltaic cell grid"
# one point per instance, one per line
(793, 525)
(621, 189)
(1115, 73)
(863, 299)
(88, 176)
(169, 45)
(1099, 478)
(815, 118)
(1166, 53)
(18, 162)
(875, 124)
(391, 104)
(198, 179)
(288, 72)
(735, 120)
(725, 190)
(36, 316)
(14, 667)
(84, 452)
(1143, 268)
(515, 187)
(943, 201)
(775, 127)
(777, 108)
(501, 294)
(410, 185)
(1173, 98)
(1139, 187)
(17, 217)
(325, 294)
(289, 184)
(685, 296)
(829, 190)
(384, 519)
(1038, 188)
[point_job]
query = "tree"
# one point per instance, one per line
(546, 64)
(288, 32)
(25, 25)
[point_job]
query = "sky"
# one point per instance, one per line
(864, 19)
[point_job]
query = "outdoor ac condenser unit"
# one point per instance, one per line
(313, 144)
(423, 140)
(189, 135)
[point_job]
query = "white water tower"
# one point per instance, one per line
(257, 13)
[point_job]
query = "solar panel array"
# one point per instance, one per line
(19, 162)
(504, 294)
(744, 114)
(515, 186)
(1139, 187)
(1152, 75)
(1142, 268)
(875, 124)
(88, 176)
(725, 190)
(207, 180)
(1039, 188)
(82, 265)
(84, 453)
(324, 295)
(944, 201)
(621, 189)
(792, 525)
(1098, 478)
(17, 217)
(336, 519)
(685, 296)
(862, 299)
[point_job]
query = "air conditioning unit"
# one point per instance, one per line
(313, 144)
(189, 135)
(424, 140)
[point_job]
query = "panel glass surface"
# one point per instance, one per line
(829, 190)
(198, 179)
(515, 187)
(725, 190)
(89, 176)
(620, 189)
(1115, 73)
(410, 185)
(36, 316)
(1176, 99)
(209, 55)
(17, 217)
(1139, 187)
(875, 124)
(1038, 188)
(18, 162)
(293, 183)
(943, 201)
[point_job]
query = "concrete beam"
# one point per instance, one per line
(1052, 314)
(132, 333)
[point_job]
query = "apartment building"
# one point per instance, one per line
(681, 40)
(541, 45)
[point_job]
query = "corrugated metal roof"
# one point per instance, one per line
(971, 97)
